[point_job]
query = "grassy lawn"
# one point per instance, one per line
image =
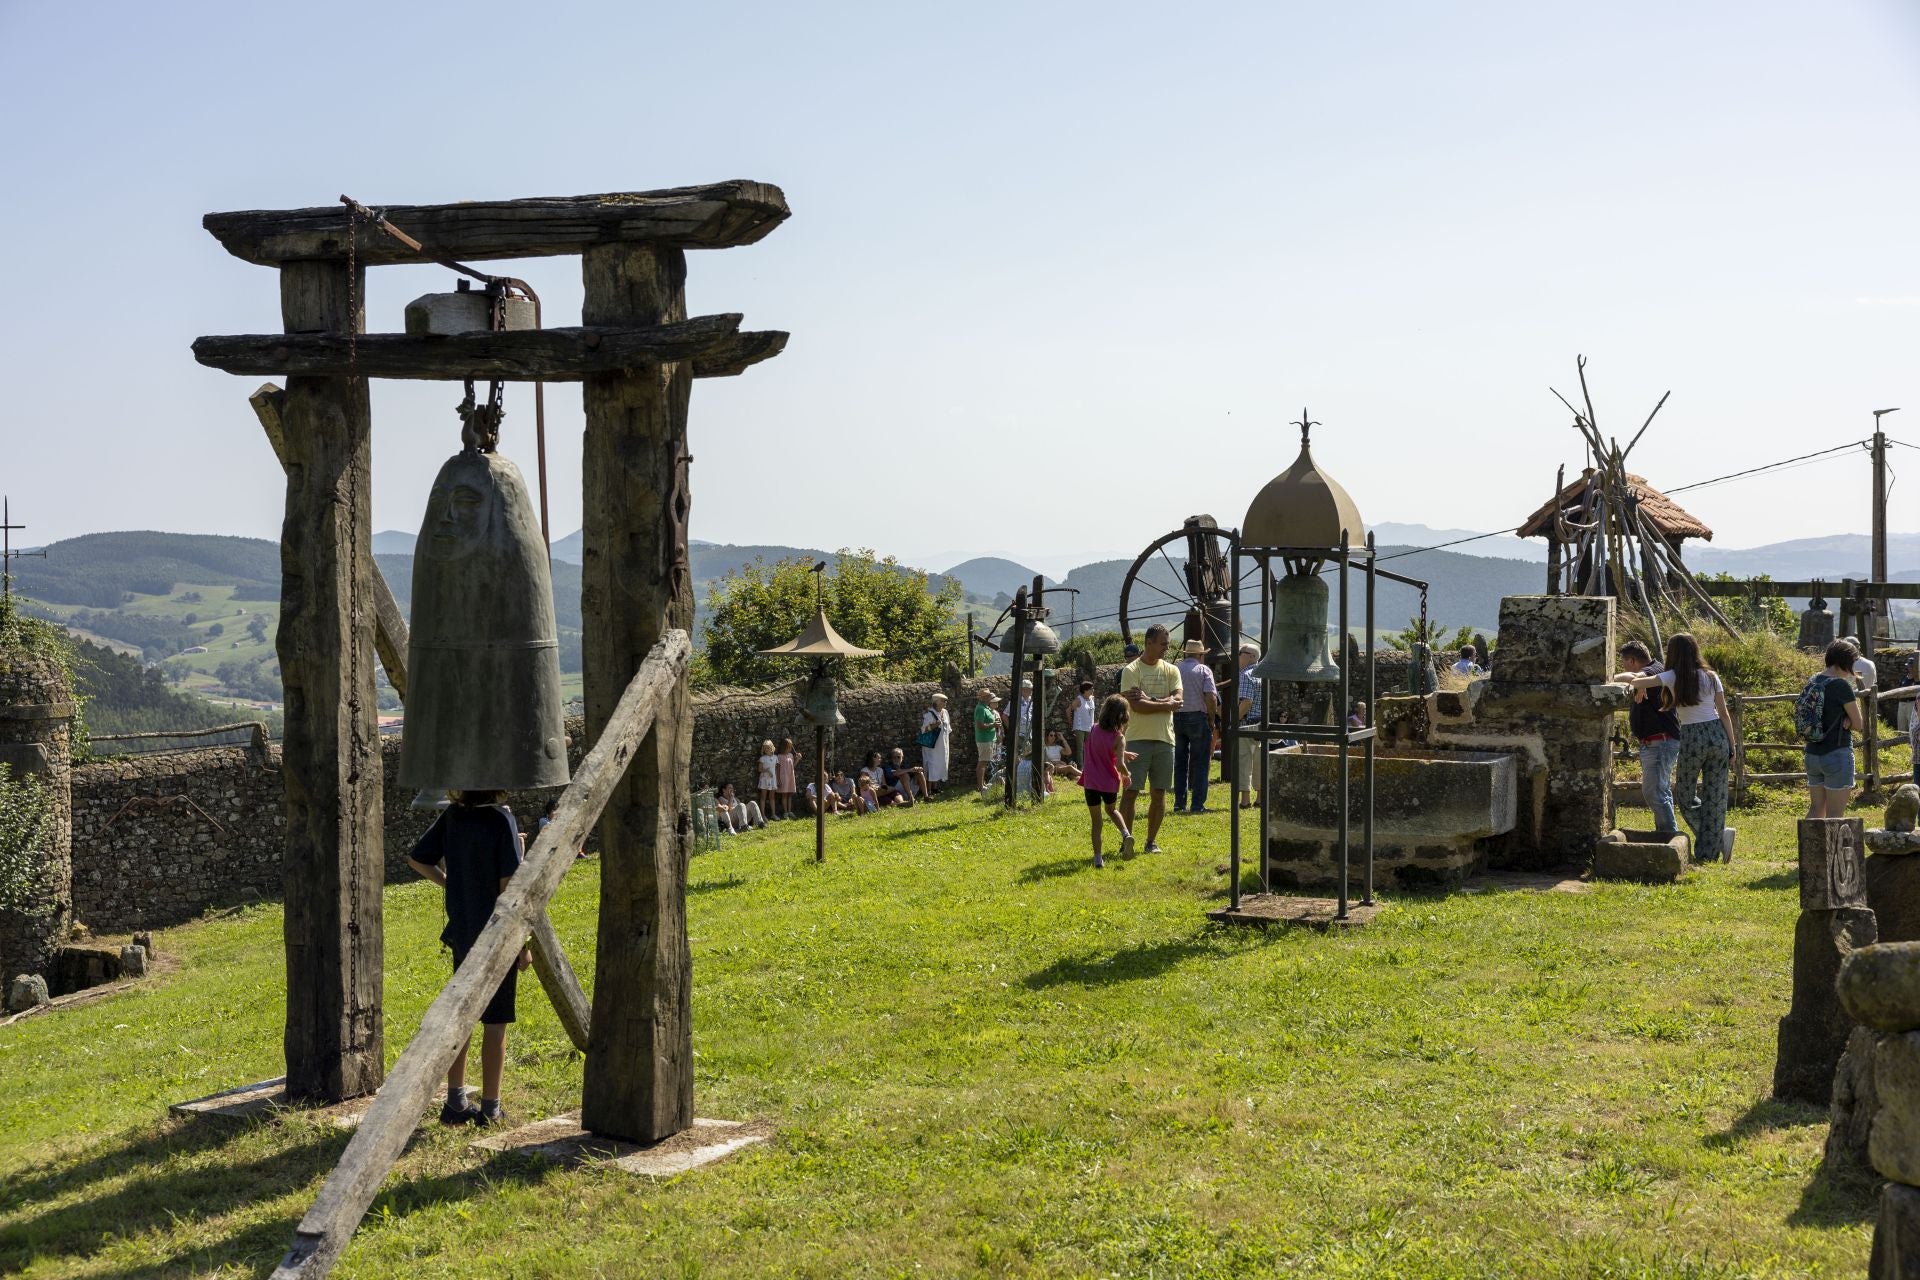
(985, 1058)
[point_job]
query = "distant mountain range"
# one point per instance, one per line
(96, 571)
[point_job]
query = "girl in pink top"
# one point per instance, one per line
(1104, 773)
(784, 768)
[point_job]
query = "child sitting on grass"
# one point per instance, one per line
(1104, 773)
(471, 851)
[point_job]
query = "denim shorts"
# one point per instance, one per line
(1834, 770)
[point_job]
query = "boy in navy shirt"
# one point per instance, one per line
(472, 850)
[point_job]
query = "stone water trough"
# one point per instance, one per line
(1431, 810)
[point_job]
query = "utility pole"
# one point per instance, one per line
(1879, 518)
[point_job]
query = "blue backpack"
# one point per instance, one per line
(1810, 709)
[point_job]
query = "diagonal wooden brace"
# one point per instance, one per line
(557, 977)
(409, 1089)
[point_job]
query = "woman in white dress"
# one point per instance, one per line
(934, 758)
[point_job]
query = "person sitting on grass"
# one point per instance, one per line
(471, 851)
(904, 778)
(737, 814)
(1059, 753)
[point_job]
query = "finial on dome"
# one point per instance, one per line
(1306, 425)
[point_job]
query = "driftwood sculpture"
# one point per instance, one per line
(1603, 527)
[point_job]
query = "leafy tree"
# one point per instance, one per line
(1756, 612)
(257, 628)
(1434, 635)
(218, 628)
(26, 827)
(873, 603)
(1103, 647)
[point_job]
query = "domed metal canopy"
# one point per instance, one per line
(819, 640)
(1303, 506)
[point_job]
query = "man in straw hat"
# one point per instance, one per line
(1193, 728)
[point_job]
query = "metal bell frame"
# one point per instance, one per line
(1267, 731)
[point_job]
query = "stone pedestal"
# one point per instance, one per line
(36, 741)
(1896, 1235)
(1892, 878)
(1834, 922)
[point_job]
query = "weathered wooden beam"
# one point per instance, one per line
(556, 975)
(717, 216)
(395, 1114)
(637, 586)
(713, 343)
(330, 757)
(561, 984)
(1868, 590)
(389, 624)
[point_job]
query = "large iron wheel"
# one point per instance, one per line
(1203, 603)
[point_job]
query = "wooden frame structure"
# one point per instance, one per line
(636, 354)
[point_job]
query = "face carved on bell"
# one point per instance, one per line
(457, 514)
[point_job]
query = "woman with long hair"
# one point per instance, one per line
(1699, 702)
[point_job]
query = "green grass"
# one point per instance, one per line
(984, 1058)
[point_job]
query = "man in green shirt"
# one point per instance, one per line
(1152, 690)
(985, 722)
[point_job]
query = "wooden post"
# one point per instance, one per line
(383, 1132)
(1737, 709)
(331, 757)
(636, 587)
(1870, 740)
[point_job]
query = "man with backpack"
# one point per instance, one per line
(1657, 729)
(1826, 715)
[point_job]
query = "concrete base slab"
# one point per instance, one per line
(562, 1140)
(1296, 912)
(267, 1097)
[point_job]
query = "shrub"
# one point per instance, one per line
(26, 827)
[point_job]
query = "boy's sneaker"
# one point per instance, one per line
(487, 1117)
(1126, 846)
(1097, 862)
(1153, 846)
(465, 1113)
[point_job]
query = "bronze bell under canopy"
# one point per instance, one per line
(484, 710)
(1297, 639)
(821, 704)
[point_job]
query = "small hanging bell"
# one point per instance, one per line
(821, 704)
(484, 710)
(1297, 641)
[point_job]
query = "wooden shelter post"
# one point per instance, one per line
(334, 867)
(637, 586)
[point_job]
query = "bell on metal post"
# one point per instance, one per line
(484, 710)
(821, 705)
(1297, 640)
(1036, 637)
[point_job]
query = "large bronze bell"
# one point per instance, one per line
(821, 704)
(484, 710)
(1297, 639)
(1036, 637)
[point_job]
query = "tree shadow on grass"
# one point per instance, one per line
(1144, 960)
(714, 886)
(1764, 1115)
(172, 1191)
(1058, 867)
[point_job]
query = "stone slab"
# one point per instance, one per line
(1893, 844)
(1896, 1235)
(269, 1097)
(1640, 855)
(1290, 911)
(562, 1140)
(1814, 1033)
(1832, 872)
(1894, 1144)
(1893, 891)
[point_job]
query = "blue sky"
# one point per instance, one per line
(1058, 275)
